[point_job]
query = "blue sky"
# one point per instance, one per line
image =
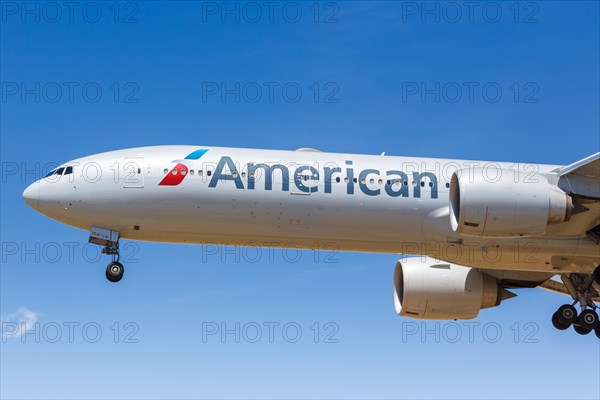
(352, 77)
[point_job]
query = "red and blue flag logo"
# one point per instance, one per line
(180, 171)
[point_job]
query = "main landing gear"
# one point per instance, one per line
(581, 288)
(110, 241)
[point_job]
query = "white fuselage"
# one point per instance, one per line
(305, 199)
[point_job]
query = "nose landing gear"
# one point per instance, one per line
(581, 288)
(110, 242)
(114, 271)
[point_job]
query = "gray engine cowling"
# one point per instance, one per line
(511, 204)
(426, 289)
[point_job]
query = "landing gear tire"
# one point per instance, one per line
(584, 294)
(580, 330)
(566, 315)
(114, 271)
(557, 324)
(588, 320)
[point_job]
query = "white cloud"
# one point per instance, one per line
(16, 324)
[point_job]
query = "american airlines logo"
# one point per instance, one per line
(179, 172)
(306, 178)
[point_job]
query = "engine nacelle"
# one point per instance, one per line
(425, 289)
(511, 204)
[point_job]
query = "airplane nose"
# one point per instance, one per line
(31, 195)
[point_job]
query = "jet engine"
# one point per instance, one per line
(509, 204)
(426, 289)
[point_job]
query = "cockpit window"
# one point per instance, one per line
(60, 171)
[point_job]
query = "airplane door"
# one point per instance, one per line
(132, 170)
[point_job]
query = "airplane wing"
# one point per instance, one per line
(582, 178)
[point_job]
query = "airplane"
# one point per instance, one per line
(468, 230)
